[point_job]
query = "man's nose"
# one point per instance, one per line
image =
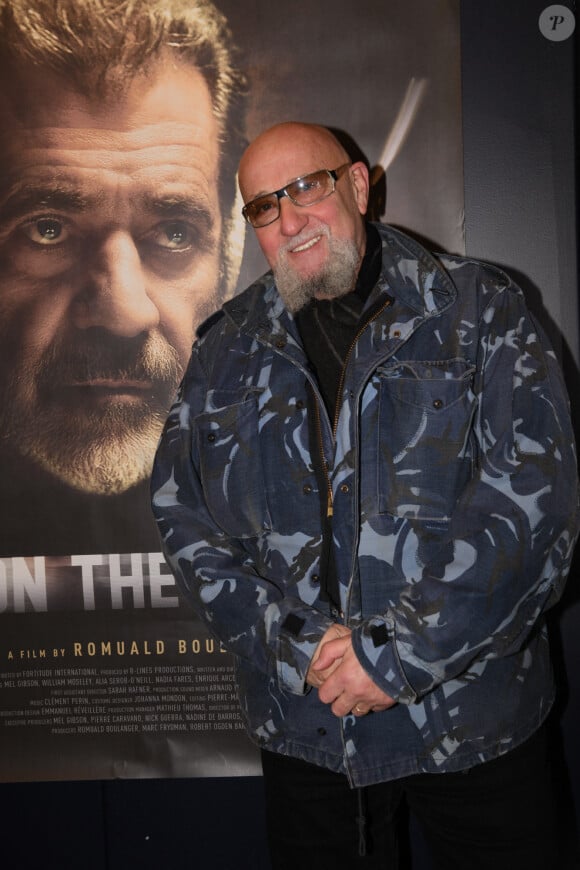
(293, 218)
(114, 295)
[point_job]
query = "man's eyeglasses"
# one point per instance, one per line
(307, 190)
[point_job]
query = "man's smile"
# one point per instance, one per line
(305, 246)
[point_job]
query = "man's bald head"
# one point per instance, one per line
(311, 142)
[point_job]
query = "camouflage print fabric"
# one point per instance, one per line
(455, 494)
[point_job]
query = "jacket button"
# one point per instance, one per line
(345, 488)
(438, 403)
(307, 489)
(299, 404)
(211, 436)
(281, 342)
(322, 731)
(315, 578)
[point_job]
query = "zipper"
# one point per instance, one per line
(329, 499)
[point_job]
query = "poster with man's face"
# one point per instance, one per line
(120, 233)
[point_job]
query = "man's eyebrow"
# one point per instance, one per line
(29, 198)
(185, 207)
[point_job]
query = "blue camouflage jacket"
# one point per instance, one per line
(452, 478)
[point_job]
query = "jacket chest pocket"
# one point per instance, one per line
(424, 445)
(230, 467)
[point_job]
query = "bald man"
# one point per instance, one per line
(360, 500)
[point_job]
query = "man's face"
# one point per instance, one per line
(109, 257)
(304, 243)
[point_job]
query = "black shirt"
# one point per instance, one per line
(328, 326)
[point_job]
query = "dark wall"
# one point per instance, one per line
(521, 200)
(518, 106)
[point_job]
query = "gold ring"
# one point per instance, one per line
(358, 710)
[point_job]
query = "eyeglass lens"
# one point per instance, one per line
(307, 190)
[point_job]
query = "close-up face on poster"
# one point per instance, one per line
(122, 125)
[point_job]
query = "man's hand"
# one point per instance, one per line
(316, 675)
(343, 682)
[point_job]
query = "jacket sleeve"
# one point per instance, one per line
(503, 558)
(244, 610)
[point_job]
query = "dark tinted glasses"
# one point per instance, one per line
(307, 190)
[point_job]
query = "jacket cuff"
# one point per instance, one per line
(299, 634)
(375, 647)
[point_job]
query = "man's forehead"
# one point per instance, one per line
(278, 159)
(77, 178)
(170, 145)
(162, 131)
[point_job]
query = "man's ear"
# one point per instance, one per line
(360, 181)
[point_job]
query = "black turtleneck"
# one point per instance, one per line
(328, 326)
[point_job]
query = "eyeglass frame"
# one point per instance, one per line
(334, 174)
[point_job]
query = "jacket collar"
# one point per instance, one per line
(410, 274)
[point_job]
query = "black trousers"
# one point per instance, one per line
(500, 815)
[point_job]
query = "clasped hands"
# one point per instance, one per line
(340, 679)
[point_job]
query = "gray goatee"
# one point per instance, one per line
(334, 279)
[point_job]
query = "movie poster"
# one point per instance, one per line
(120, 232)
